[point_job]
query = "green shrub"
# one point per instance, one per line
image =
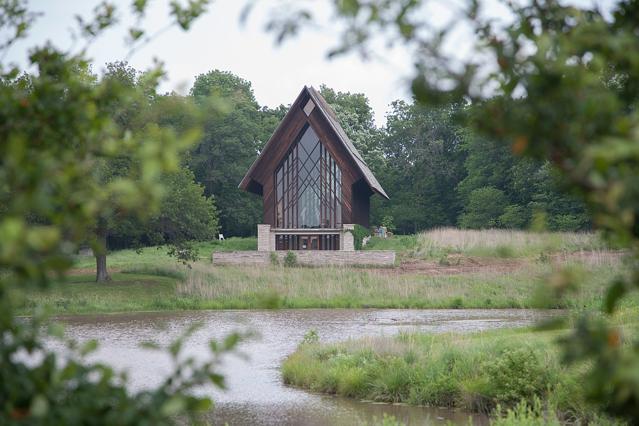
(290, 260)
(516, 374)
(389, 223)
(274, 259)
(457, 303)
(568, 222)
(441, 390)
(359, 233)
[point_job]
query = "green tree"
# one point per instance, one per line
(484, 208)
(423, 166)
(123, 111)
(488, 163)
(141, 108)
(514, 217)
(529, 185)
(56, 132)
(235, 131)
(185, 215)
(356, 117)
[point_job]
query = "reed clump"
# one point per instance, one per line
(476, 372)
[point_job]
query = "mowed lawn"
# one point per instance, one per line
(126, 292)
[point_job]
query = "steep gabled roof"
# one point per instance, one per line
(328, 114)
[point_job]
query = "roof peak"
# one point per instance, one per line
(331, 117)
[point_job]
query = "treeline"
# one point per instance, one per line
(436, 172)
(440, 174)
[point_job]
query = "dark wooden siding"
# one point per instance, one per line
(355, 191)
(361, 203)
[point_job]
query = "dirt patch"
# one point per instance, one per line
(456, 264)
(593, 258)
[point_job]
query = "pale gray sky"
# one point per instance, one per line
(218, 41)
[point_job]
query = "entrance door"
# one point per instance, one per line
(309, 242)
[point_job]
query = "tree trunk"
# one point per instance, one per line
(101, 274)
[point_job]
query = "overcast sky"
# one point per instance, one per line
(219, 41)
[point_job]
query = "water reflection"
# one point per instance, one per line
(255, 392)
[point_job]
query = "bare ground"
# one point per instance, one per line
(459, 264)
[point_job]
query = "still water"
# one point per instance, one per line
(256, 394)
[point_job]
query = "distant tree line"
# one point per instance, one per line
(436, 172)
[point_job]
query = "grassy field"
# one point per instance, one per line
(514, 266)
(149, 288)
(497, 243)
(157, 257)
(474, 372)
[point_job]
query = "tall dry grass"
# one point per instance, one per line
(503, 242)
(356, 288)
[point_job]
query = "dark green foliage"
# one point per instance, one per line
(356, 117)
(184, 215)
(516, 374)
(66, 165)
(483, 209)
(235, 130)
(389, 223)
(359, 233)
(529, 187)
(424, 164)
(290, 260)
(515, 217)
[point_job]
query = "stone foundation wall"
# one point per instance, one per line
(310, 258)
(264, 238)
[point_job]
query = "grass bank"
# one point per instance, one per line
(149, 279)
(356, 288)
(152, 288)
(474, 372)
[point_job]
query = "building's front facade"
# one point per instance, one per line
(314, 184)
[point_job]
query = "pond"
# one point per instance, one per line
(256, 394)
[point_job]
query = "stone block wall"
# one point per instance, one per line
(264, 238)
(309, 258)
(347, 240)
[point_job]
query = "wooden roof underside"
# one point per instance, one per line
(249, 184)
